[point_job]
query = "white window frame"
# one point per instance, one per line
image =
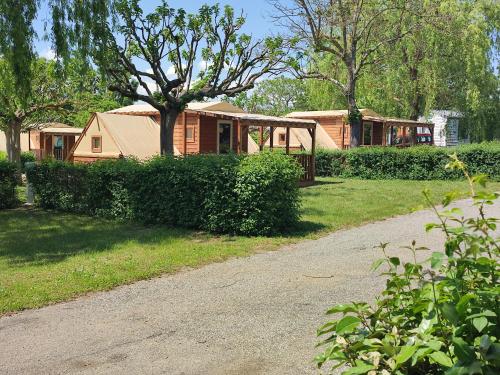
(367, 123)
(225, 122)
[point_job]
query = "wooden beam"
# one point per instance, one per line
(184, 118)
(287, 141)
(240, 138)
(261, 138)
(384, 134)
(343, 134)
(404, 136)
(313, 153)
(271, 137)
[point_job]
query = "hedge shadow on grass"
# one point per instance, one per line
(52, 237)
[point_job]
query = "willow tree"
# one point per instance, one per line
(337, 40)
(178, 57)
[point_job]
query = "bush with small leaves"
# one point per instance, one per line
(8, 182)
(255, 195)
(437, 317)
(412, 163)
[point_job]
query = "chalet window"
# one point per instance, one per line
(190, 134)
(282, 139)
(96, 143)
(367, 133)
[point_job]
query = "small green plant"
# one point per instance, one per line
(439, 316)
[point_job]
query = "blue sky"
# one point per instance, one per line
(258, 22)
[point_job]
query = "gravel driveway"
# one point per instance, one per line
(254, 315)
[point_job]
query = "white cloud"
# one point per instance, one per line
(203, 65)
(49, 54)
(151, 85)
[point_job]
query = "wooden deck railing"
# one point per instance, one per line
(307, 163)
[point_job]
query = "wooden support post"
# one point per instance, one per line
(287, 144)
(240, 138)
(343, 135)
(431, 130)
(44, 144)
(184, 119)
(404, 136)
(313, 153)
(384, 134)
(271, 137)
(261, 138)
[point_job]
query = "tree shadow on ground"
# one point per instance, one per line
(326, 182)
(40, 237)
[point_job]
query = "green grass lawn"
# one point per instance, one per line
(47, 257)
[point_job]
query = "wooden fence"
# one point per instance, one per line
(307, 163)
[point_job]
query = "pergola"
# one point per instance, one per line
(406, 127)
(247, 120)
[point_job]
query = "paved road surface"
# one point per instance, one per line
(255, 315)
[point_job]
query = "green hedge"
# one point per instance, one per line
(413, 163)
(8, 182)
(257, 195)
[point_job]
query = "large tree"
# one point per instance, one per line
(177, 57)
(19, 111)
(337, 40)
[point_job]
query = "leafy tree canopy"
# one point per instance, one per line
(274, 97)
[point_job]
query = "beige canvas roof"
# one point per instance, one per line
(253, 147)
(335, 113)
(66, 130)
(194, 106)
(137, 136)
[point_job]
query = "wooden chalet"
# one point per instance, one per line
(53, 140)
(376, 129)
(203, 128)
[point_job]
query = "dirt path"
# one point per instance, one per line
(255, 315)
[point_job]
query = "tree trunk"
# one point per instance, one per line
(168, 117)
(354, 115)
(13, 137)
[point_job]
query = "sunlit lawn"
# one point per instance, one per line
(47, 257)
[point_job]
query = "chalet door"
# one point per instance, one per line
(224, 140)
(58, 142)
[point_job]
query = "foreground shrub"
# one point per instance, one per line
(27, 157)
(8, 182)
(413, 163)
(442, 319)
(268, 193)
(223, 194)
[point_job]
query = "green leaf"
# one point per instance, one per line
(450, 312)
(463, 351)
(484, 343)
(347, 324)
(441, 358)
(360, 369)
(395, 261)
(377, 264)
(463, 303)
(480, 323)
(405, 354)
(437, 259)
(344, 308)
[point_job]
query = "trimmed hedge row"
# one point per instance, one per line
(8, 182)
(413, 163)
(257, 195)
